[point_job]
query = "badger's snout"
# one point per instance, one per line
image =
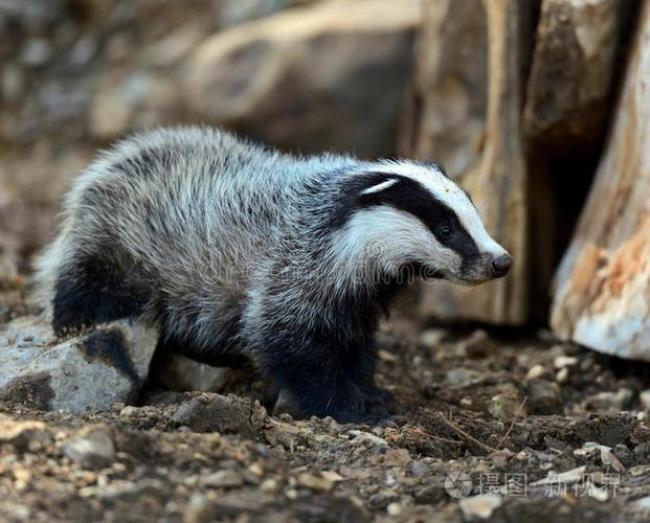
(501, 265)
(484, 267)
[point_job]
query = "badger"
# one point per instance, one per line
(232, 250)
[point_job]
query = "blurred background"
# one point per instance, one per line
(540, 108)
(535, 106)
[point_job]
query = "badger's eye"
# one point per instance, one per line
(444, 231)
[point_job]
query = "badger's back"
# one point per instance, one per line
(173, 224)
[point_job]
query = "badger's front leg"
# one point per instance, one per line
(316, 375)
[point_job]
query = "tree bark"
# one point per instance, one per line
(494, 170)
(602, 294)
(571, 72)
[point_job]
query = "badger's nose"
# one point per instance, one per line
(501, 265)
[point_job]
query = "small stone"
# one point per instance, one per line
(128, 411)
(210, 412)
(179, 373)
(270, 486)
(562, 375)
(644, 398)
(313, 482)
(611, 400)
(198, 510)
(419, 469)
(397, 457)
(431, 494)
(394, 509)
(223, 479)
(481, 506)
(544, 397)
(333, 476)
(387, 356)
(463, 377)
(640, 505)
(93, 449)
(478, 345)
(36, 52)
(505, 404)
(433, 337)
(22, 435)
(564, 361)
(535, 372)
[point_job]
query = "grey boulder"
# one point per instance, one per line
(83, 373)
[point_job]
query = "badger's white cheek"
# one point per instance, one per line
(443, 258)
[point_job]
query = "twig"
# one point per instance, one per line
(467, 436)
(454, 442)
(512, 425)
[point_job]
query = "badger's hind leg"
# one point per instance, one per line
(97, 288)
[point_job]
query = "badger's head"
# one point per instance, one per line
(411, 216)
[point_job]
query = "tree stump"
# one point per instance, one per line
(602, 291)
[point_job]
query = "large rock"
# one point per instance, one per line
(328, 76)
(572, 71)
(84, 373)
(602, 294)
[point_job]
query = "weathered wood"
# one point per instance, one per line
(602, 295)
(478, 138)
(447, 113)
(571, 71)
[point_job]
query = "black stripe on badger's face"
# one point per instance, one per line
(409, 196)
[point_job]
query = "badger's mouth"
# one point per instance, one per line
(482, 269)
(415, 271)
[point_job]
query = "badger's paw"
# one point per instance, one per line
(379, 403)
(350, 404)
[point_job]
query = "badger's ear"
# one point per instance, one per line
(379, 186)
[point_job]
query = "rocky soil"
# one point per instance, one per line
(490, 427)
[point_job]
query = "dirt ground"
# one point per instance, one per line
(518, 428)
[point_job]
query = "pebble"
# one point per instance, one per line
(544, 397)
(128, 411)
(223, 479)
(463, 377)
(394, 509)
(94, 449)
(564, 361)
(644, 398)
(181, 374)
(534, 372)
(419, 469)
(361, 436)
(616, 400)
(314, 482)
(506, 403)
(433, 337)
(562, 375)
(481, 506)
(270, 486)
(478, 345)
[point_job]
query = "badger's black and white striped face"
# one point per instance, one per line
(412, 215)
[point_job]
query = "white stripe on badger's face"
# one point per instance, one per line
(390, 238)
(445, 190)
(380, 186)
